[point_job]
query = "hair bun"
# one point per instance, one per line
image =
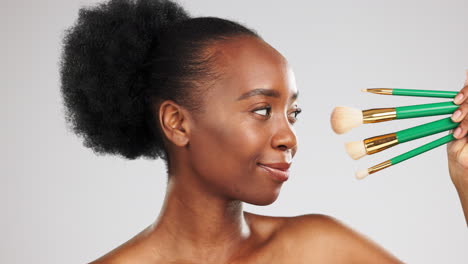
(101, 68)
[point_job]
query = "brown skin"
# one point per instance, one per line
(457, 151)
(214, 158)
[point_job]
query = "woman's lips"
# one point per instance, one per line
(281, 175)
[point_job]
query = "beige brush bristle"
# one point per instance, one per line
(361, 174)
(356, 149)
(344, 118)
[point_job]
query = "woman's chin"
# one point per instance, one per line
(266, 199)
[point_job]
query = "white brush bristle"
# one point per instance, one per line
(344, 118)
(356, 149)
(361, 174)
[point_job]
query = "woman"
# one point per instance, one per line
(217, 104)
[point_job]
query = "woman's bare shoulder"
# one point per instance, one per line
(304, 238)
(327, 238)
(128, 252)
(119, 255)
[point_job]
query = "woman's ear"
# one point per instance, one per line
(174, 123)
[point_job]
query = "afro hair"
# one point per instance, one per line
(122, 52)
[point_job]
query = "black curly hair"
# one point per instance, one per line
(123, 56)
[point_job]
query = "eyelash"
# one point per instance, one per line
(268, 108)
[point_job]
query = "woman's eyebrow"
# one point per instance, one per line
(265, 92)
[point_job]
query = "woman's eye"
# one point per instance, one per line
(296, 112)
(266, 110)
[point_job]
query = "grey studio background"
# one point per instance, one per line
(61, 203)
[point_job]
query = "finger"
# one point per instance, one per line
(455, 146)
(462, 128)
(460, 115)
(457, 133)
(463, 94)
(461, 111)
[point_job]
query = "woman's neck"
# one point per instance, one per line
(195, 224)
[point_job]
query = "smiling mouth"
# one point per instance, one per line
(284, 166)
(280, 174)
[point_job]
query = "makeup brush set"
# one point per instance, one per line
(343, 119)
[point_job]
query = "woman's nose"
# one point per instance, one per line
(285, 136)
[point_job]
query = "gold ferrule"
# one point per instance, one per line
(378, 115)
(379, 143)
(379, 166)
(386, 91)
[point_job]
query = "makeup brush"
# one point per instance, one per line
(411, 92)
(361, 174)
(343, 118)
(359, 149)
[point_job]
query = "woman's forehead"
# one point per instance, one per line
(251, 63)
(245, 53)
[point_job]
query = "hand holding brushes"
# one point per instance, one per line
(343, 119)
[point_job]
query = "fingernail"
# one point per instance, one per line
(456, 115)
(457, 132)
(458, 98)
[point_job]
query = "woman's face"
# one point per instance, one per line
(237, 132)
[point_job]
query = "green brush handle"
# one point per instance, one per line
(421, 110)
(425, 130)
(424, 93)
(422, 149)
